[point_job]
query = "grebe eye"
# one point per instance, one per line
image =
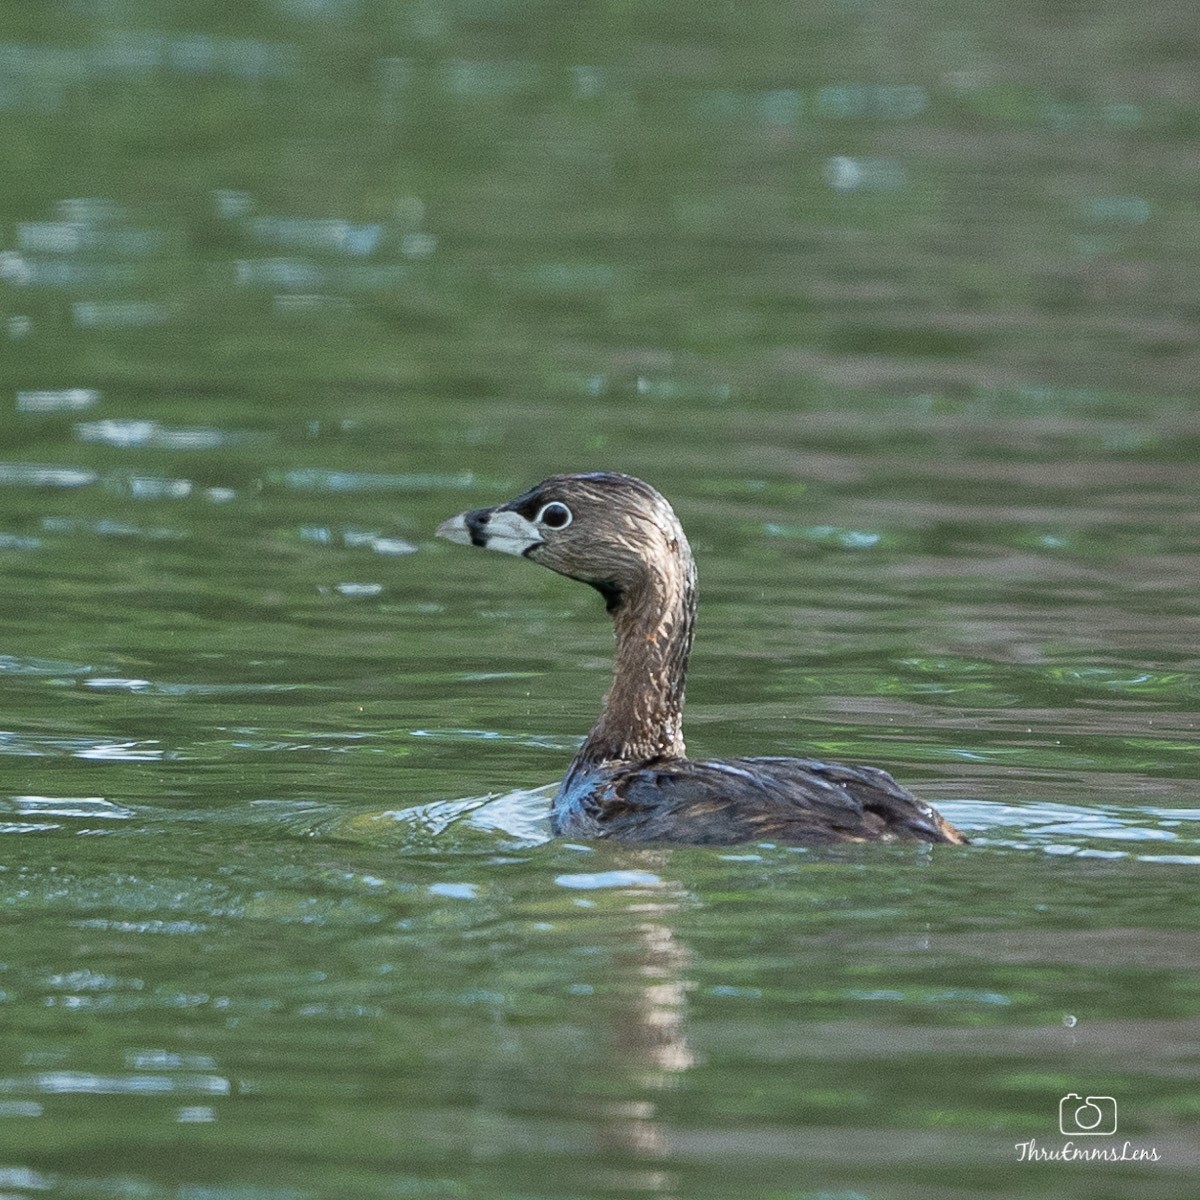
(554, 515)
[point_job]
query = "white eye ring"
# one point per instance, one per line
(555, 515)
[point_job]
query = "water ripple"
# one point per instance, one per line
(89, 807)
(319, 479)
(520, 815)
(157, 688)
(145, 434)
(11, 664)
(33, 475)
(608, 879)
(63, 400)
(542, 741)
(81, 1083)
(455, 891)
(1064, 830)
(34, 745)
(112, 529)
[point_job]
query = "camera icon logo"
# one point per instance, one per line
(1080, 1116)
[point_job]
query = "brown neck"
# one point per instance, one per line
(642, 716)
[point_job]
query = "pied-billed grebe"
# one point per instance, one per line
(630, 779)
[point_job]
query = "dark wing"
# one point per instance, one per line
(794, 800)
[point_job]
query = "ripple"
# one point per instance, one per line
(19, 1108)
(89, 807)
(34, 745)
(541, 741)
(435, 818)
(289, 741)
(355, 539)
(827, 535)
(112, 529)
(521, 815)
(1064, 830)
(152, 487)
(168, 1060)
(156, 688)
(63, 400)
(318, 479)
(608, 879)
(172, 928)
(119, 314)
(316, 233)
(123, 752)
(1174, 814)
(84, 1083)
(359, 589)
(25, 1179)
(1116, 679)
(392, 546)
(925, 995)
(105, 683)
(455, 891)
(127, 434)
(11, 664)
(844, 173)
(34, 475)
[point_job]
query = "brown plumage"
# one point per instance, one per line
(631, 779)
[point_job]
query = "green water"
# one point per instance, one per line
(897, 304)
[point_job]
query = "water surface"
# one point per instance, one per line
(899, 308)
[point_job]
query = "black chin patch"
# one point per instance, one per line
(612, 593)
(476, 523)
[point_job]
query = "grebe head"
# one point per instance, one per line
(611, 531)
